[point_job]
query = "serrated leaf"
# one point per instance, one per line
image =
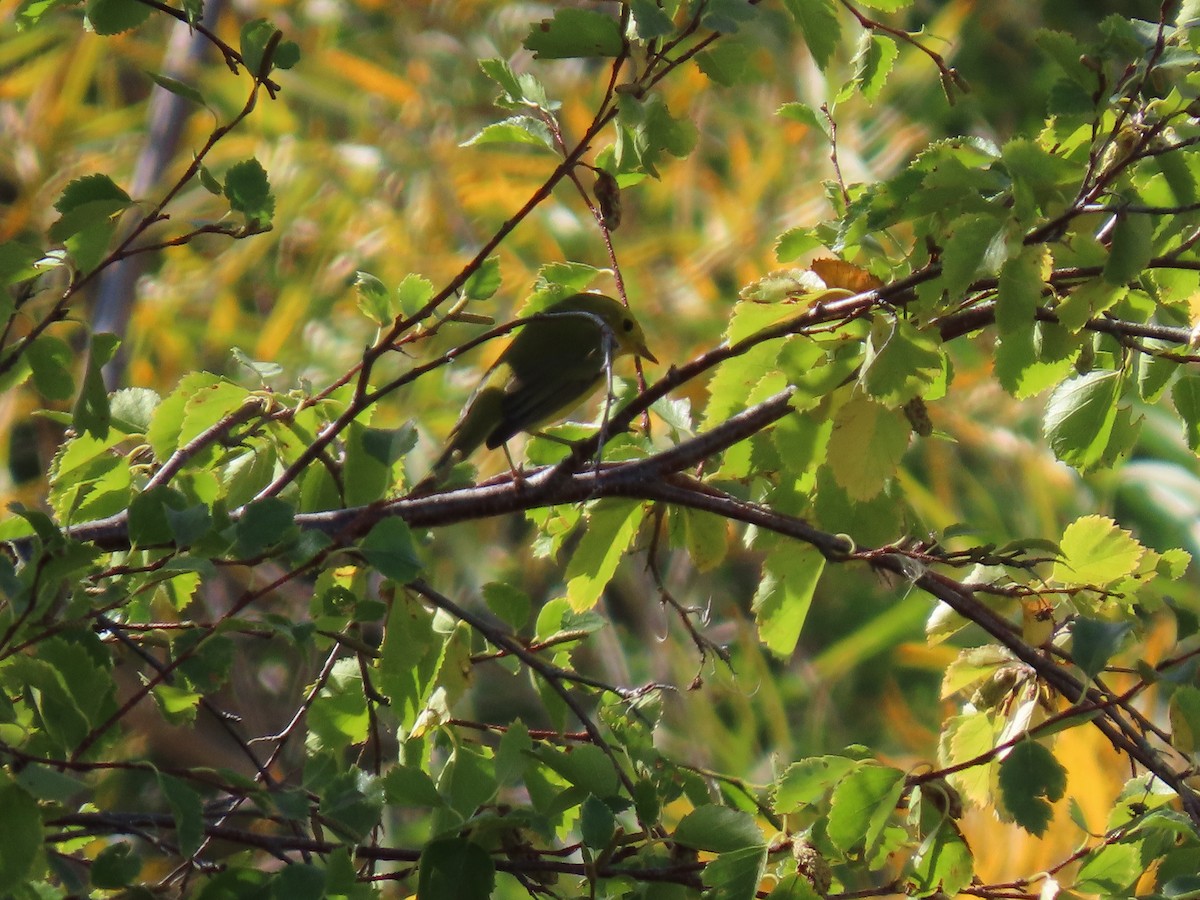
(114, 16)
(1080, 415)
(264, 524)
(819, 24)
(597, 824)
(649, 21)
(1184, 716)
(1185, 395)
(389, 547)
(1019, 292)
(372, 298)
(707, 538)
(187, 811)
(969, 252)
(1131, 249)
(1030, 780)
(575, 33)
(1096, 552)
(1112, 870)
(718, 829)
(509, 603)
(611, 528)
(861, 805)
(51, 360)
(865, 446)
(901, 363)
(1093, 642)
(725, 15)
(516, 130)
(455, 869)
(784, 595)
(484, 281)
(873, 63)
(20, 834)
(248, 191)
(806, 782)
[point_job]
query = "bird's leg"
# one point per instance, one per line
(518, 473)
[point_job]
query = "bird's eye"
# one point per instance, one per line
(627, 325)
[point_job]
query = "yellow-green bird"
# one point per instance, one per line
(554, 363)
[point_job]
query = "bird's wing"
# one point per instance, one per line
(529, 403)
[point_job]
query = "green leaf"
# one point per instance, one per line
(654, 132)
(1031, 360)
(943, 862)
(51, 361)
(390, 549)
(649, 21)
(412, 293)
(177, 87)
(1112, 870)
(718, 829)
(974, 248)
(508, 602)
(1096, 552)
(1131, 249)
(264, 524)
(87, 202)
(1088, 301)
(611, 528)
(817, 121)
(806, 782)
(351, 804)
(861, 805)
(586, 766)
(16, 263)
(785, 593)
(148, 524)
(1019, 292)
(901, 363)
(338, 716)
(706, 536)
(1080, 415)
(116, 866)
(735, 875)
(455, 869)
(1030, 780)
(248, 191)
(484, 281)
(597, 824)
(575, 33)
(373, 299)
(1094, 641)
(873, 63)
(725, 15)
(819, 24)
(255, 36)
(20, 834)
(92, 413)
(516, 130)
(1184, 716)
(115, 16)
(1185, 395)
(410, 786)
(865, 446)
(187, 810)
(728, 62)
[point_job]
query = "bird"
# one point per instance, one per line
(557, 359)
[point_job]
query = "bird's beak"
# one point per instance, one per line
(644, 352)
